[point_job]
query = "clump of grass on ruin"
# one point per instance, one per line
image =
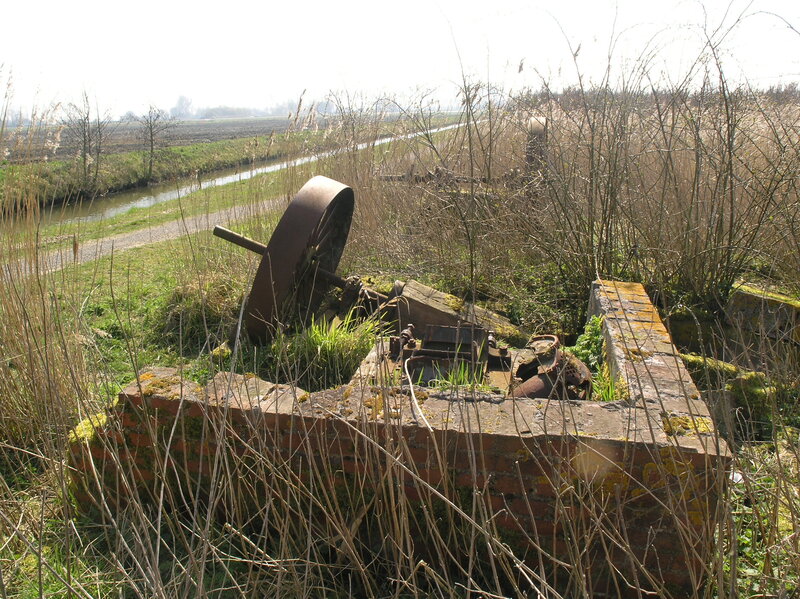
(461, 376)
(589, 348)
(323, 354)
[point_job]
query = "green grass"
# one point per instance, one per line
(324, 354)
(123, 297)
(764, 523)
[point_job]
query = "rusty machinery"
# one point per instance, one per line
(299, 263)
(300, 260)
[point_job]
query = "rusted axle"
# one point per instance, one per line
(259, 248)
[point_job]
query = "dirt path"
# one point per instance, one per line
(88, 251)
(98, 248)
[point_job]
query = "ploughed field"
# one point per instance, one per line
(126, 136)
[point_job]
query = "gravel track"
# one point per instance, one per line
(95, 249)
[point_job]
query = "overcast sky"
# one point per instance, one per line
(238, 53)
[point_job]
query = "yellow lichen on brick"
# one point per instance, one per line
(681, 425)
(155, 385)
(637, 354)
(615, 480)
(86, 429)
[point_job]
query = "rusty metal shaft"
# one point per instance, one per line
(240, 240)
(259, 248)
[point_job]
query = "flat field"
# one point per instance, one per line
(125, 136)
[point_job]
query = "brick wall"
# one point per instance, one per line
(622, 492)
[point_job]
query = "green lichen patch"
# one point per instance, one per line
(773, 295)
(454, 303)
(701, 366)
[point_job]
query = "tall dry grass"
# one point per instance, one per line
(683, 189)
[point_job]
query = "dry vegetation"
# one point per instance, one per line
(685, 190)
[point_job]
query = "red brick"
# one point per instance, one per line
(210, 449)
(141, 475)
(341, 446)
(507, 521)
(643, 536)
(503, 444)
(496, 502)
(83, 499)
(558, 546)
(508, 484)
(81, 463)
(78, 448)
(196, 410)
(291, 441)
(465, 459)
(269, 421)
(130, 420)
(412, 493)
(164, 404)
(502, 465)
(199, 466)
(415, 436)
(247, 418)
(470, 480)
(680, 577)
(546, 528)
(134, 399)
(352, 466)
(139, 439)
(324, 446)
(420, 455)
(545, 489)
(116, 438)
(531, 508)
(432, 476)
(179, 446)
(98, 452)
(340, 428)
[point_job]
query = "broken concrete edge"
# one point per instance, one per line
(598, 441)
(604, 429)
(764, 312)
(639, 351)
(430, 306)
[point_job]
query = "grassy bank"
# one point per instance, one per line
(59, 181)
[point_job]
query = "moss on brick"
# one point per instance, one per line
(780, 297)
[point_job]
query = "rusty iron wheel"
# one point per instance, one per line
(308, 240)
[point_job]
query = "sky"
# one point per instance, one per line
(128, 55)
